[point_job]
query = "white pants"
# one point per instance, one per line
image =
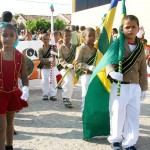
(67, 83)
(85, 80)
(124, 114)
(48, 88)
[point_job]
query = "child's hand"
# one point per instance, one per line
(70, 66)
(92, 68)
(50, 59)
(143, 95)
(25, 93)
(116, 75)
(53, 53)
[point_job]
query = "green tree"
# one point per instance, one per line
(43, 24)
(37, 24)
(59, 24)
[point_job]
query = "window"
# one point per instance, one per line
(86, 4)
(93, 3)
(81, 5)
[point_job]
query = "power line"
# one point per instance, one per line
(32, 1)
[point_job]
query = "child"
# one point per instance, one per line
(66, 55)
(12, 65)
(7, 18)
(48, 78)
(125, 109)
(114, 34)
(84, 60)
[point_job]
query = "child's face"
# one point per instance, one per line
(67, 37)
(8, 37)
(90, 37)
(130, 29)
(57, 37)
(46, 40)
(29, 36)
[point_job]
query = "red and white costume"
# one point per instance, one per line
(9, 92)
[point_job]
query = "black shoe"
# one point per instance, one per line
(8, 147)
(45, 97)
(116, 146)
(15, 133)
(53, 98)
(130, 148)
(67, 103)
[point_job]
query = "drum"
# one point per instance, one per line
(36, 73)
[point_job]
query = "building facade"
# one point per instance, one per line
(90, 13)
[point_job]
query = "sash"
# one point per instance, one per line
(47, 55)
(89, 61)
(131, 60)
(72, 54)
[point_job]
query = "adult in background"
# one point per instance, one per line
(80, 38)
(74, 36)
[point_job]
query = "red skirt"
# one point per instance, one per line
(11, 101)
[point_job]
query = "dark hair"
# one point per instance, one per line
(9, 26)
(82, 28)
(144, 41)
(87, 30)
(129, 17)
(73, 27)
(56, 33)
(57, 28)
(115, 30)
(77, 28)
(66, 31)
(45, 34)
(7, 16)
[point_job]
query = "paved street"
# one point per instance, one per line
(48, 125)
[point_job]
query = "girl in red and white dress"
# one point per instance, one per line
(12, 99)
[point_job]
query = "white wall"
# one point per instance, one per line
(92, 17)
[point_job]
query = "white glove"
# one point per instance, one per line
(70, 66)
(53, 53)
(50, 59)
(92, 68)
(143, 95)
(141, 32)
(25, 93)
(116, 75)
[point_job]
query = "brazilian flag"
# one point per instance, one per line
(96, 121)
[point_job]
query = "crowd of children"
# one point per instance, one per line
(74, 52)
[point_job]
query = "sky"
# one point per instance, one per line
(36, 7)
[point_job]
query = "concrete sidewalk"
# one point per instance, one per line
(48, 125)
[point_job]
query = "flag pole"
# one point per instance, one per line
(52, 41)
(62, 78)
(121, 47)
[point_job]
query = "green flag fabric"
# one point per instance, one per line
(52, 8)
